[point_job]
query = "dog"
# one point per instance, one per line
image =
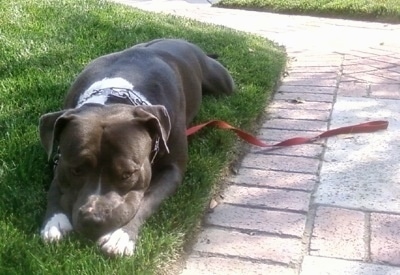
(120, 139)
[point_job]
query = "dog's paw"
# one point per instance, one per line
(117, 243)
(56, 228)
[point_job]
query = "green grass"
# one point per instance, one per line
(375, 10)
(44, 44)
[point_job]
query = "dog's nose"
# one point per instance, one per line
(88, 216)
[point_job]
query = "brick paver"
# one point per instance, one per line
(267, 197)
(385, 240)
(388, 91)
(269, 249)
(300, 102)
(285, 87)
(281, 163)
(275, 179)
(339, 233)
(217, 265)
(308, 150)
(296, 124)
(258, 220)
(276, 216)
(280, 95)
(350, 87)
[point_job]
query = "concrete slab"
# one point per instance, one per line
(328, 266)
(343, 179)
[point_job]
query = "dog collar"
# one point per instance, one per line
(101, 96)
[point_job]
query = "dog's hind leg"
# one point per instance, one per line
(216, 78)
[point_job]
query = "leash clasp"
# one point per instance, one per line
(155, 150)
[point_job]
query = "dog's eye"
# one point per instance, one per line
(126, 175)
(77, 171)
(129, 174)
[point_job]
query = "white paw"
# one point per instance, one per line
(56, 228)
(117, 243)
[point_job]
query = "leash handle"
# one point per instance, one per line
(367, 127)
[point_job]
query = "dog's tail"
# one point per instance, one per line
(213, 55)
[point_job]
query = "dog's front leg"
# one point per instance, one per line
(56, 223)
(122, 241)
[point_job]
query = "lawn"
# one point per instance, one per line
(375, 10)
(44, 44)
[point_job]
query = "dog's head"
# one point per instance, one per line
(104, 165)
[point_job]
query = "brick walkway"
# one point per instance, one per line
(329, 208)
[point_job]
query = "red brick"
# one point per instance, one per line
(282, 163)
(305, 74)
(296, 124)
(312, 81)
(358, 54)
(282, 134)
(257, 247)
(316, 61)
(315, 69)
(357, 68)
(390, 91)
(388, 75)
(385, 241)
(373, 78)
(217, 265)
(304, 150)
(306, 97)
(395, 69)
(353, 88)
(299, 114)
(277, 222)
(338, 233)
(390, 59)
(374, 64)
(306, 89)
(275, 179)
(299, 103)
(266, 197)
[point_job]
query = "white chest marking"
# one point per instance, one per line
(115, 82)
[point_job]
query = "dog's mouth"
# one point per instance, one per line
(92, 225)
(101, 215)
(92, 233)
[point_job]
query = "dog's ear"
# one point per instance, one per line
(156, 116)
(50, 126)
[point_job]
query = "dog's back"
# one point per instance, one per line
(165, 70)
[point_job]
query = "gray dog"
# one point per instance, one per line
(120, 140)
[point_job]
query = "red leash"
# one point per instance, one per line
(368, 127)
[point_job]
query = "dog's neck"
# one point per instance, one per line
(111, 88)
